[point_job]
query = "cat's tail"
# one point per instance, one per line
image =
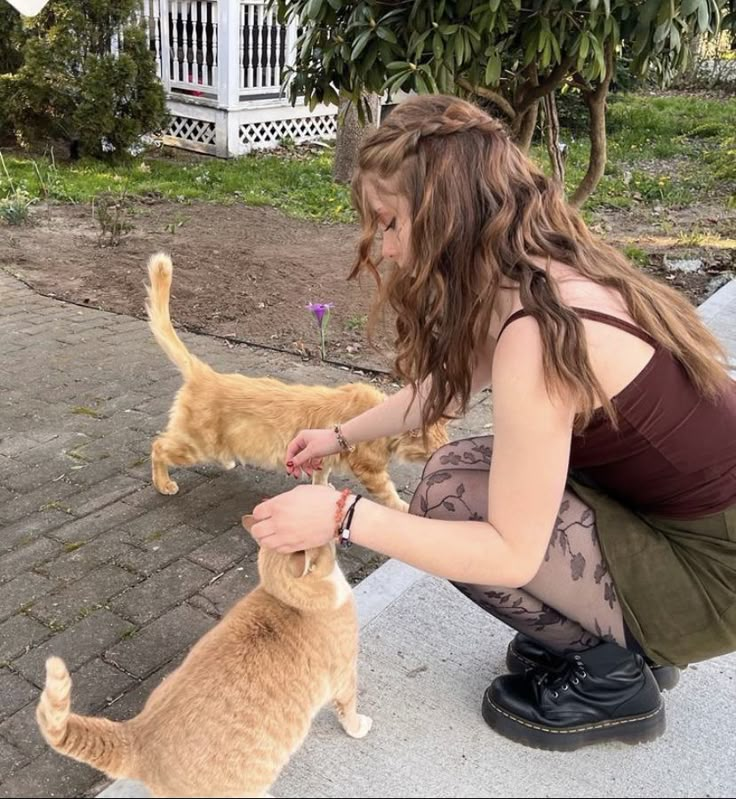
(157, 306)
(98, 742)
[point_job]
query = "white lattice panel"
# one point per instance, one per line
(199, 131)
(269, 133)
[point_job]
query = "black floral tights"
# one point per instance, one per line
(571, 603)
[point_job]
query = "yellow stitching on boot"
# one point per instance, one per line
(531, 663)
(585, 728)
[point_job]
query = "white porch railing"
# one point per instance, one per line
(220, 62)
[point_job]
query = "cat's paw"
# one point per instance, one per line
(169, 487)
(361, 728)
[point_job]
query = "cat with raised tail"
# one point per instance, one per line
(228, 720)
(233, 418)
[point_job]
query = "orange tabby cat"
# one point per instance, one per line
(228, 418)
(228, 719)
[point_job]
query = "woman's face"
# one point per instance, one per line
(392, 211)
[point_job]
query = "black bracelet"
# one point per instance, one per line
(343, 532)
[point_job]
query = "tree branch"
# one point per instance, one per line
(533, 92)
(580, 82)
(596, 102)
(555, 149)
(496, 98)
(527, 123)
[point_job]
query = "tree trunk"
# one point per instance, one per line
(596, 102)
(350, 134)
(555, 148)
(524, 126)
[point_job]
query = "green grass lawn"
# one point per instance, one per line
(672, 150)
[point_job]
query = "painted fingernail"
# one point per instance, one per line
(289, 463)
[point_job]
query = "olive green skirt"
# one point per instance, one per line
(675, 578)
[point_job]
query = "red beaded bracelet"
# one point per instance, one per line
(340, 509)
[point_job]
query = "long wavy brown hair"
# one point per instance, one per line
(480, 211)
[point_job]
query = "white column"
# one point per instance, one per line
(215, 42)
(241, 46)
(290, 50)
(228, 83)
(164, 43)
(228, 77)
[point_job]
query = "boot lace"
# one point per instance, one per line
(556, 682)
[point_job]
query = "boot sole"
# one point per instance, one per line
(630, 730)
(667, 677)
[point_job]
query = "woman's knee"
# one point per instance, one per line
(458, 494)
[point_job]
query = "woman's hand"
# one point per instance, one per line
(307, 448)
(302, 518)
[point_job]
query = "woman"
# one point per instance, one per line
(600, 519)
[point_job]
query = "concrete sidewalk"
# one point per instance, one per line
(427, 655)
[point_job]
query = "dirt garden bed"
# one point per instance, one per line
(248, 273)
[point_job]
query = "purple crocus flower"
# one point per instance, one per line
(321, 311)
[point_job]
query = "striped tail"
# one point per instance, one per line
(160, 271)
(96, 741)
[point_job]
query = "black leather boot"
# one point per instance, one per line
(525, 653)
(603, 694)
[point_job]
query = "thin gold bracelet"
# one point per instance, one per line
(344, 446)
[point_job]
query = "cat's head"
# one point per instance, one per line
(412, 447)
(309, 579)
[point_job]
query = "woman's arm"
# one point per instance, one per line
(527, 479)
(306, 450)
(531, 451)
(402, 411)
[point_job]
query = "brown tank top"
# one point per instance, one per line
(674, 452)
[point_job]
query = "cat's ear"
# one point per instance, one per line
(300, 563)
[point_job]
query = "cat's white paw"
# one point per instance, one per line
(169, 487)
(362, 728)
